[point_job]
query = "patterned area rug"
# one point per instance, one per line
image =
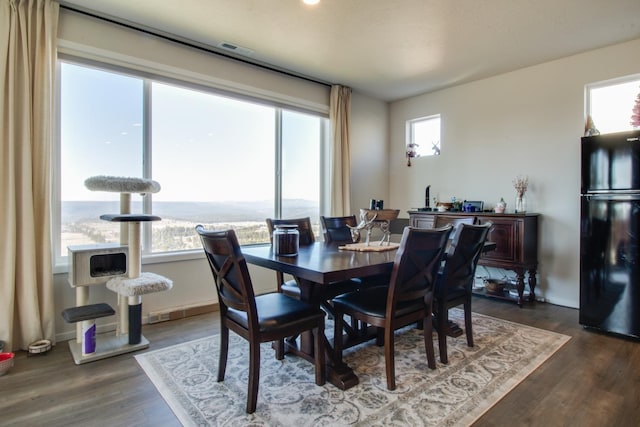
(457, 394)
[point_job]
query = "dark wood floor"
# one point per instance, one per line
(594, 380)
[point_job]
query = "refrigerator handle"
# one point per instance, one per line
(613, 197)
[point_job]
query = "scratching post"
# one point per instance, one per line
(123, 316)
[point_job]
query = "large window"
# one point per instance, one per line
(221, 161)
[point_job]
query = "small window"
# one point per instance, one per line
(423, 136)
(611, 104)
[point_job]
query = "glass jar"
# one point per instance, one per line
(286, 239)
(521, 203)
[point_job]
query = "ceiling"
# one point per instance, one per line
(388, 49)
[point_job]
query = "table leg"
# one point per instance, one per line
(338, 372)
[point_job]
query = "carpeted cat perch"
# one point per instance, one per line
(125, 186)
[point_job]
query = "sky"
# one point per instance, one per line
(611, 106)
(205, 148)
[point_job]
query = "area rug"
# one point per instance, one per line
(457, 394)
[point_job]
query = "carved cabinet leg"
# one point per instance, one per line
(532, 284)
(520, 285)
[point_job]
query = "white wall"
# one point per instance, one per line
(370, 151)
(526, 122)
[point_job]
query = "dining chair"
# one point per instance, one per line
(335, 229)
(306, 236)
(290, 287)
(442, 220)
(407, 299)
(263, 318)
(455, 281)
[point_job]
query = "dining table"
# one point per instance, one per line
(317, 265)
(322, 264)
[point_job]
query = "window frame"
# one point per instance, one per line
(603, 84)
(410, 134)
(184, 81)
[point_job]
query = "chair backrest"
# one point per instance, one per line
(335, 228)
(304, 228)
(415, 268)
(230, 272)
(463, 255)
(442, 220)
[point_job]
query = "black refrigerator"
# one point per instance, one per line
(610, 233)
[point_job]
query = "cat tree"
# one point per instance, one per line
(129, 285)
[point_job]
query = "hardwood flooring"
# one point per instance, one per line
(594, 380)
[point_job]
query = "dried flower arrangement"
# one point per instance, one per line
(521, 184)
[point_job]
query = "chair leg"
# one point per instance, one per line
(254, 376)
(355, 325)
(337, 335)
(442, 333)
(380, 336)
(427, 326)
(280, 349)
(467, 322)
(320, 349)
(389, 357)
(224, 351)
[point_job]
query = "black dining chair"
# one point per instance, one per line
(442, 220)
(258, 319)
(306, 236)
(290, 287)
(407, 299)
(335, 229)
(455, 281)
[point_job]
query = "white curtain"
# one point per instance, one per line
(339, 116)
(28, 30)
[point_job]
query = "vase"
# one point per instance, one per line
(521, 203)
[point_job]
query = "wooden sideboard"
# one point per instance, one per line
(516, 239)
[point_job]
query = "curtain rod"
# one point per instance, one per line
(189, 43)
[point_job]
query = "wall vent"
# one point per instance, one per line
(235, 48)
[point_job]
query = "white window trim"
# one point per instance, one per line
(409, 130)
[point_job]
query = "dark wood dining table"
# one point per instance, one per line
(318, 265)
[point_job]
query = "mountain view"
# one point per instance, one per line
(81, 223)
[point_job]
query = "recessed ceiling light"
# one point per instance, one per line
(311, 2)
